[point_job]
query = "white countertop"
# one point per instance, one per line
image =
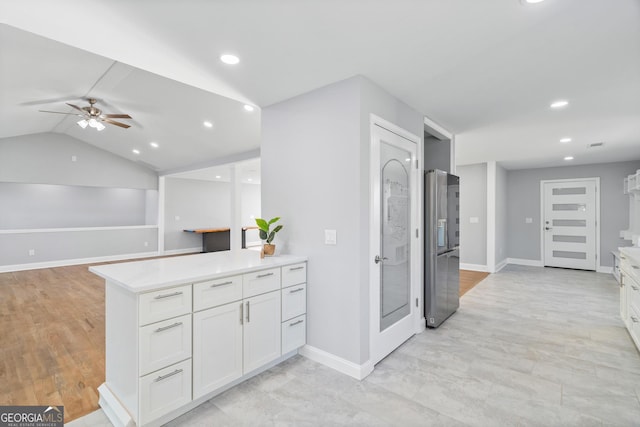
(155, 274)
(632, 252)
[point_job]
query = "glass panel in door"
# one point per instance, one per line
(394, 234)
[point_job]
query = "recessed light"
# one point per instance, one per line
(248, 107)
(569, 158)
(135, 151)
(559, 104)
(207, 124)
(407, 159)
(218, 177)
(154, 144)
(565, 140)
(229, 59)
(249, 179)
(532, 1)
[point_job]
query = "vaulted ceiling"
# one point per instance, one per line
(485, 70)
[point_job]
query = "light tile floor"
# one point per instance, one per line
(528, 347)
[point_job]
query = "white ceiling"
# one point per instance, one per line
(485, 70)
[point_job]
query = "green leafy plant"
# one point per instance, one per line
(266, 233)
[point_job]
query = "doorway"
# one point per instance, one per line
(570, 223)
(394, 221)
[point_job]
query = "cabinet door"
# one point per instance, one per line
(217, 347)
(261, 330)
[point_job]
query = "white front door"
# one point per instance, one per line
(393, 241)
(569, 223)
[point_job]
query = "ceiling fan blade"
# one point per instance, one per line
(59, 112)
(113, 122)
(116, 116)
(76, 107)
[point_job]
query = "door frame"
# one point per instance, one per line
(596, 179)
(416, 215)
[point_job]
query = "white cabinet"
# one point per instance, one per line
(261, 330)
(171, 349)
(630, 295)
(217, 347)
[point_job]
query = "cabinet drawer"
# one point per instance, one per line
(294, 274)
(164, 304)
(633, 294)
(164, 391)
(164, 343)
(294, 333)
(260, 282)
(294, 301)
(213, 293)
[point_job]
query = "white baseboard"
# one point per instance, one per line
(502, 264)
(529, 262)
(474, 267)
(76, 261)
(332, 361)
(183, 251)
(603, 269)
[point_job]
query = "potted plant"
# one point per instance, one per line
(267, 235)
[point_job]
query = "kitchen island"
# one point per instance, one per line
(181, 330)
(630, 291)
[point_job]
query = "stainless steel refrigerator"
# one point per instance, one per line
(442, 246)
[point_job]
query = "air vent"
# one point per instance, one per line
(595, 144)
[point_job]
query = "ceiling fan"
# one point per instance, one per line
(93, 116)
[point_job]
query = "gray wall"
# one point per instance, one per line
(328, 129)
(60, 206)
(437, 153)
(46, 159)
(473, 203)
(523, 192)
(502, 231)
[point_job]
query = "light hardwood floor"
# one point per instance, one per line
(469, 279)
(52, 335)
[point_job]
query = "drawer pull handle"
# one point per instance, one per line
(635, 288)
(215, 285)
(297, 322)
(241, 312)
(622, 257)
(635, 267)
(164, 377)
(296, 268)
(169, 295)
(260, 276)
(164, 328)
(634, 319)
(248, 312)
(296, 290)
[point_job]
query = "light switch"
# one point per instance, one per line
(474, 220)
(177, 218)
(330, 237)
(528, 220)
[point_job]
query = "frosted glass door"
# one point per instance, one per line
(570, 224)
(394, 233)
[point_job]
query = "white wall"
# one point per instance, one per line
(473, 204)
(197, 204)
(315, 175)
(250, 210)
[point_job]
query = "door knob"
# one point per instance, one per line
(548, 228)
(378, 259)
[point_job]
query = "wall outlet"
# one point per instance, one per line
(177, 217)
(146, 244)
(474, 220)
(32, 252)
(528, 220)
(74, 159)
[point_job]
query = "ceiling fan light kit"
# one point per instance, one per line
(93, 116)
